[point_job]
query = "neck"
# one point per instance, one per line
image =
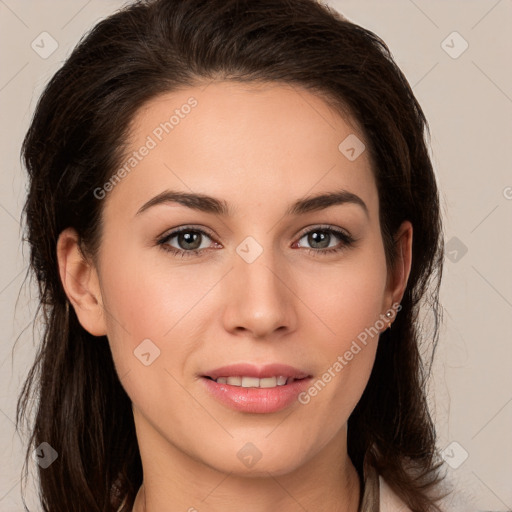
(285, 500)
(326, 483)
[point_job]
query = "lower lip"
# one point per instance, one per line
(256, 400)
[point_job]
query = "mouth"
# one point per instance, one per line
(254, 382)
(251, 389)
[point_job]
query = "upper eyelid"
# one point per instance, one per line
(176, 231)
(322, 227)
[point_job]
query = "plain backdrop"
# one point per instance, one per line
(456, 56)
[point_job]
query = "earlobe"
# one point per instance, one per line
(80, 282)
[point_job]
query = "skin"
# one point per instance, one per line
(260, 148)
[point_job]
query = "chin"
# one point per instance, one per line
(249, 461)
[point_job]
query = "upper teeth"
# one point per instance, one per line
(254, 382)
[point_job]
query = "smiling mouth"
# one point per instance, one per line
(255, 382)
(248, 388)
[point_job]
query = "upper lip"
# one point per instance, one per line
(250, 370)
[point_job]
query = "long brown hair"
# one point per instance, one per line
(74, 145)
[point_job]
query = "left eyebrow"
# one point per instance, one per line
(216, 206)
(322, 201)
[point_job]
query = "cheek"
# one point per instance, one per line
(148, 300)
(348, 304)
(150, 332)
(346, 354)
(349, 297)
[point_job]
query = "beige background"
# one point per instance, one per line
(468, 101)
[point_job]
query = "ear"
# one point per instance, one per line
(399, 274)
(81, 284)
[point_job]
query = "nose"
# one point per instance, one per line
(260, 299)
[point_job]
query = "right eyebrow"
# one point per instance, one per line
(200, 202)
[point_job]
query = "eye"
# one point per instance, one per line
(189, 241)
(321, 240)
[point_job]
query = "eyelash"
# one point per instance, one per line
(345, 238)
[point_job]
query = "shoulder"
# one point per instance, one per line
(388, 500)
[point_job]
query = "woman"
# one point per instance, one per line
(234, 221)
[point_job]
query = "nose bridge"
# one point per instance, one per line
(260, 301)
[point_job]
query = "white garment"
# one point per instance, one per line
(388, 500)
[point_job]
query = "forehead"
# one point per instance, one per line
(255, 144)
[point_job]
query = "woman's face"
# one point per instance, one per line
(272, 279)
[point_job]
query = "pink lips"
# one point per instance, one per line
(249, 370)
(256, 400)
